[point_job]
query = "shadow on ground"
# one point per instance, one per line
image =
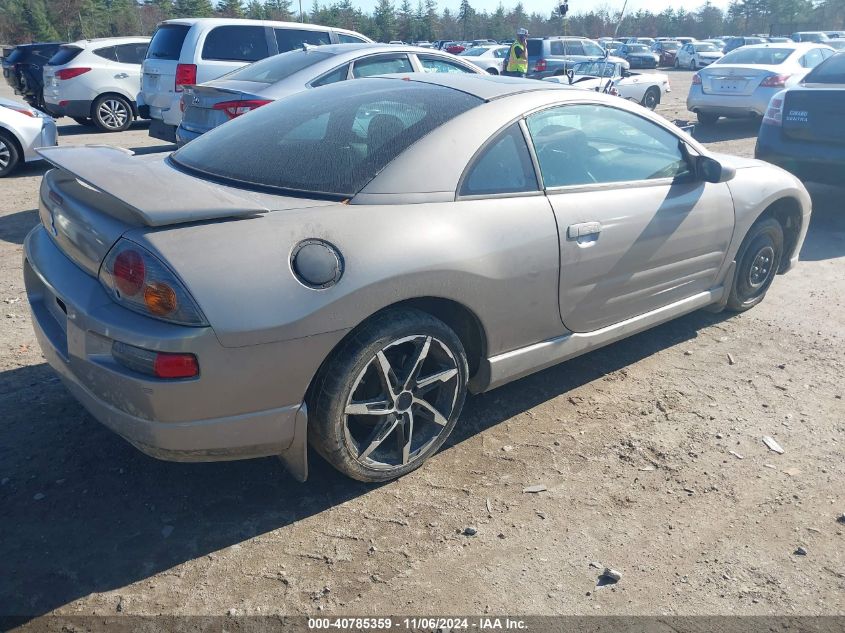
(826, 235)
(85, 512)
(67, 128)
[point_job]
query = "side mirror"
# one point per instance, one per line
(712, 170)
(570, 74)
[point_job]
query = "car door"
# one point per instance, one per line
(127, 74)
(638, 229)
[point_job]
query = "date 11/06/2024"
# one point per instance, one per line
(415, 624)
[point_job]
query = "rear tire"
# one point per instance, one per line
(9, 154)
(707, 118)
(757, 263)
(407, 406)
(112, 113)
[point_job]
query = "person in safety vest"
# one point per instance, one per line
(517, 64)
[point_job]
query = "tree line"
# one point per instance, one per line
(68, 20)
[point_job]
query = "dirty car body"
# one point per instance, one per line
(282, 301)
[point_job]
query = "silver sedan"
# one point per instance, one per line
(294, 276)
(22, 129)
(208, 105)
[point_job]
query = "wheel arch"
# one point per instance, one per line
(7, 131)
(787, 211)
(115, 93)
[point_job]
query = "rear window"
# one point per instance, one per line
(289, 39)
(473, 52)
(15, 56)
(167, 41)
(535, 48)
(330, 142)
(236, 43)
(107, 52)
(762, 56)
(830, 71)
(278, 67)
(64, 55)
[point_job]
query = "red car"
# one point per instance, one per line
(667, 50)
(455, 48)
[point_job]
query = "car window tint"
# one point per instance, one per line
(761, 56)
(339, 74)
(63, 56)
(587, 144)
(812, 58)
(478, 51)
(167, 41)
(831, 71)
(592, 49)
(106, 52)
(289, 39)
(131, 53)
(438, 65)
(345, 38)
(535, 48)
(382, 65)
(278, 67)
(366, 129)
(504, 166)
(501, 53)
(236, 43)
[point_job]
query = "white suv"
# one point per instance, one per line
(96, 81)
(195, 50)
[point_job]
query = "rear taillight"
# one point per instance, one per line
(70, 73)
(186, 75)
(167, 365)
(696, 79)
(138, 280)
(774, 113)
(774, 81)
(237, 108)
(540, 66)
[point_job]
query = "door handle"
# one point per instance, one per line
(583, 229)
(121, 76)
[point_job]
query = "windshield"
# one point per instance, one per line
(278, 67)
(757, 56)
(830, 71)
(705, 48)
(167, 41)
(670, 46)
(637, 48)
(330, 142)
(478, 51)
(595, 69)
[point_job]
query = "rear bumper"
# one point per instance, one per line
(197, 419)
(737, 106)
(78, 109)
(814, 162)
(184, 135)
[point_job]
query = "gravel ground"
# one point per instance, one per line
(650, 452)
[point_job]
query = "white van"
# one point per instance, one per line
(195, 50)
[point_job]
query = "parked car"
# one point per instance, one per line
(715, 41)
(647, 89)
(666, 51)
(838, 44)
(491, 58)
(282, 302)
(835, 35)
(550, 56)
(803, 130)
(96, 81)
(684, 39)
(22, 129)
(215, 102)
(195, 50)
(732, 43)
(648, 41)
(742, 83)
(810, 36)
(637, 55)
(779, 40)
(454, 47)
(697, 55)
(612, 46)
(23, 67)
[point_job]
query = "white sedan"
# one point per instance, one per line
(609, 76)
(22, 129)
(490, 58)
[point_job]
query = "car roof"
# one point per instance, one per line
(246, 21)
(798, 46)
(484, 86)
(108, 40)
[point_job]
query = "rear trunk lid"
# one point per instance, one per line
(734, 79)
(814, 113)
(200, 115)
(100, 192)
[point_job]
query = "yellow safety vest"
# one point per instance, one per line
(518, 64)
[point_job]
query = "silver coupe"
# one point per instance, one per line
(342, 266)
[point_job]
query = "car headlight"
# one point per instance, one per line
(138, 280)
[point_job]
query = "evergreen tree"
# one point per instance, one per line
(404, 26)
(278, 10)
(384, 18)
(255, 10)
(230, 8)
(465, 19)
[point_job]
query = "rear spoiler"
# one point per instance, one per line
(157, 193)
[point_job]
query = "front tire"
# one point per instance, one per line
(707, 118)
(112, 113)
(651, 98)
(692, 63)
(758, 261)
(9, 154)
(389, 397)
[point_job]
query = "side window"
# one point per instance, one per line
(501, 53)
(382, 65)
(592, 49)
(504, 166)
(574, 48)
(106, 53)
(289, 39)
(345, 38)
(589, 144)
(556, 47)
(438, 65)
(812, 58)
(338, 74)
(236, 43)
(131, 53)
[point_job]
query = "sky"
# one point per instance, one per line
(545, 6)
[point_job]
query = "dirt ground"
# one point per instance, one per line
(650, 451)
